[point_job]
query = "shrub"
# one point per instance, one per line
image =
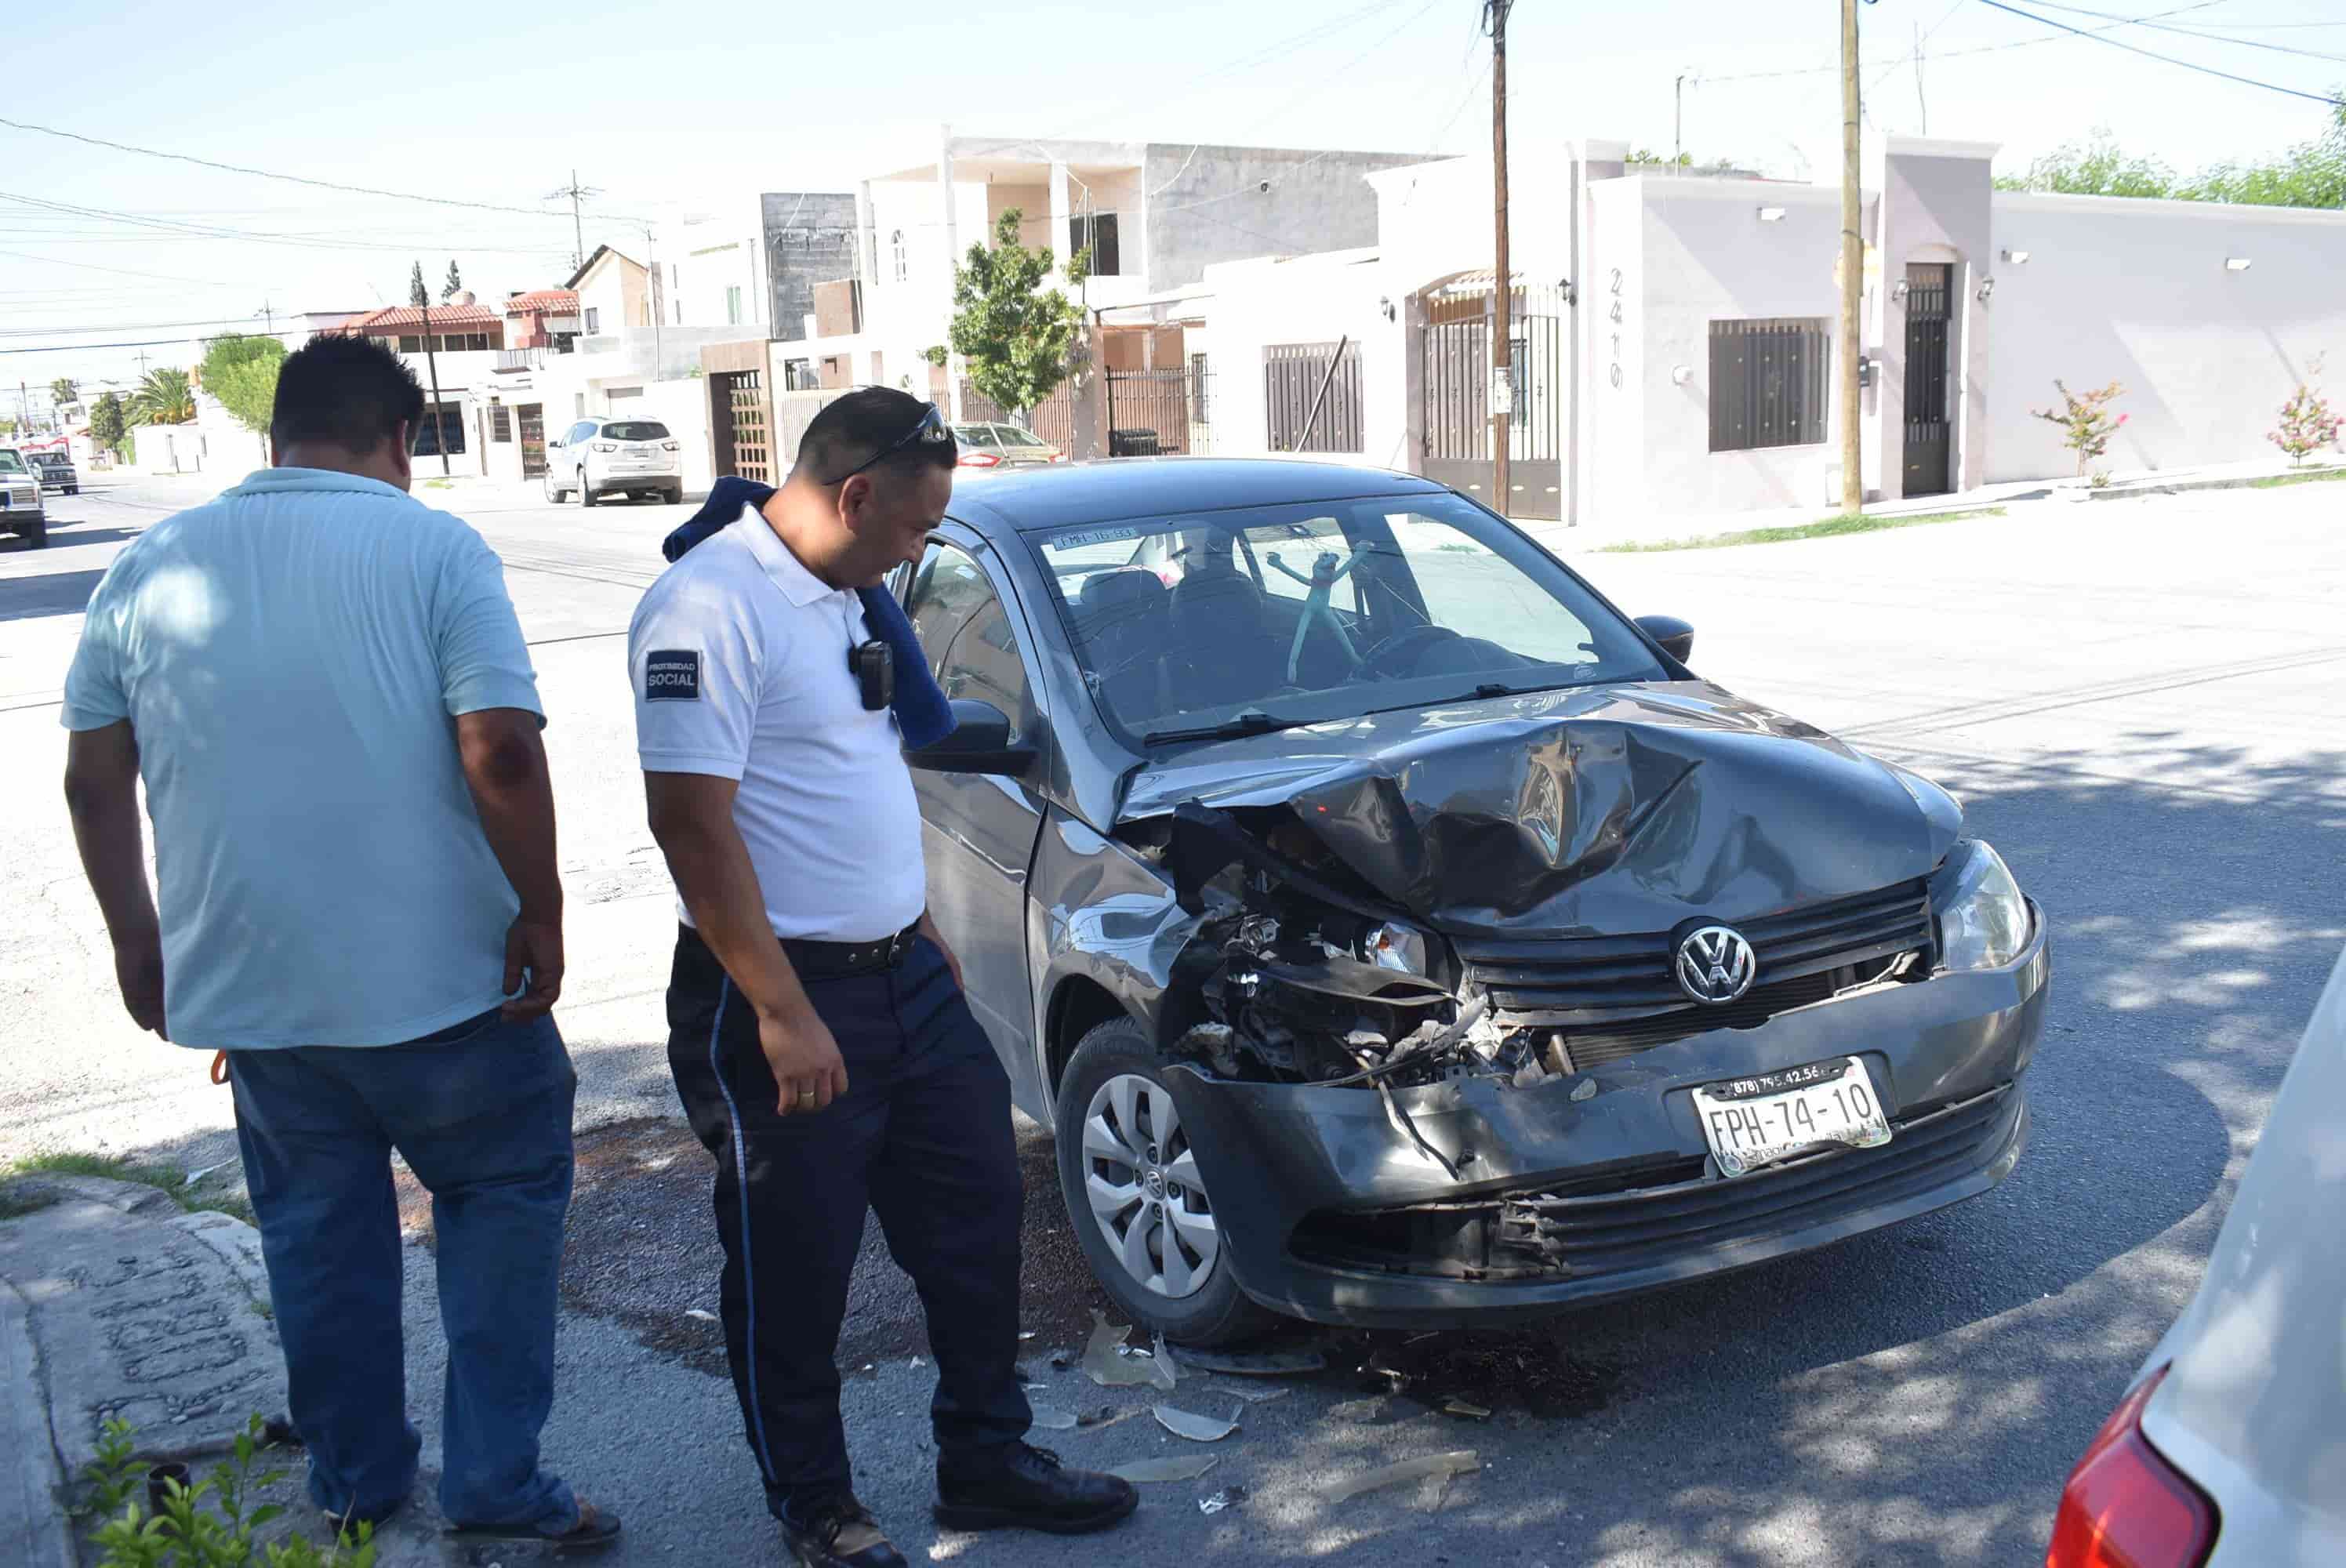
(2306, 423)
(186, 1534)
(2085, 421)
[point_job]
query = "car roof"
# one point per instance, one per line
(1111, 489)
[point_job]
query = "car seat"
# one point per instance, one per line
(1224, 648)
(1121, 616)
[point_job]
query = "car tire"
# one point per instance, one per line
(37, 536)
(585, 490)
(553, 491)
(1214, 1312)
(674, 495)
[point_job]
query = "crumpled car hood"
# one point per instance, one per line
(1598, 810)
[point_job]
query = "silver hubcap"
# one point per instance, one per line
(1146, 1193)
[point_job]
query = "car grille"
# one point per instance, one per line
(1675, 1210)
(1587, 981)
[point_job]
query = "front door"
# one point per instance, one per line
(979, 830)
(533, 440)
(1929, 434)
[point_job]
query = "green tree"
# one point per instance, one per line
(241, 373)
(454, 286)
(1019, 337)
(2311, 174)
(64, 389)
(105, 422)
(417, 294)
(2095, 166)
(163, 397)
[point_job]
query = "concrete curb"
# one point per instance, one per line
(31, 1484)
(131, 1198)
(2225, 481)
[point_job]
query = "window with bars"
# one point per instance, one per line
(1767, 384)
(500, 423)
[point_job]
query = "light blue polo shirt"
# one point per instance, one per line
(291, 657)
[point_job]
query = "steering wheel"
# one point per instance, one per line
(1392, 656)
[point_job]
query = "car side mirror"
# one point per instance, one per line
(979, 743)
(1676, 636)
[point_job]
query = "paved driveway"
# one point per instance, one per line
(2140, 703)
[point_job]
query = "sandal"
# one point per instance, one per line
(595, 1530)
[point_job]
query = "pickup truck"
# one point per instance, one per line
(56, 470)
(21, 511)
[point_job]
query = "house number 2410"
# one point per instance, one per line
(1612, 372)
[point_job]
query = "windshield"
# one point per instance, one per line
(10, 462)
(636, 430)
(1264, 617)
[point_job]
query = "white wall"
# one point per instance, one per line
(1304, 300)
(700, 259)
(1702, 253)
(2137, 292)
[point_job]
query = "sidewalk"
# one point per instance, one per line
(114, 1304)
(2124, 485)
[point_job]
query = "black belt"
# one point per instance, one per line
(838, 960)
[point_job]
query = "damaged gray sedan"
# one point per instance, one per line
(1393, 932)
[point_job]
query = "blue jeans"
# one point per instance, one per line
(481, 1114)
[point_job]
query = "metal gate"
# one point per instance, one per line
(1301, 379)
(1455, 352)
(532, 417)
(1153, 413)
(743, 442)
(1929, 432)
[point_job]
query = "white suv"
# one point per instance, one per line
(21, 511)
(612, 456)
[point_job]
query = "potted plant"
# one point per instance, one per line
(2087, 425)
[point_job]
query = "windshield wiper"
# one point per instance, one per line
(1254, 722)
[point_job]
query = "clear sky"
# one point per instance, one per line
(666, 106)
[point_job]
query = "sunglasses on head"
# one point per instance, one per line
(930, 429)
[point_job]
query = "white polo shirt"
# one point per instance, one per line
(738, 656)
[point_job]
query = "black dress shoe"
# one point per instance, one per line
(1024, 1488)
(839, 1532)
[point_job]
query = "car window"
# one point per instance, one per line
(1013, 436)
(965, 631)
(636, 430)
(578, 432)
(11, 463)
(975, 435)
(1183, 623)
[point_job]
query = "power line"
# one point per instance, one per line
(216, 231)
(292, 179)
(2168, 59)
(1892, 65)
(78, 348)
(125, 272)
(2196, 33)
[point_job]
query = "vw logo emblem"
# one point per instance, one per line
(1714, 964)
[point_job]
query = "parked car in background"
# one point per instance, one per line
(610, 455)
(985, 444)
(22, 511)
(2229, 1449)
(57, 472)
(1395, 933)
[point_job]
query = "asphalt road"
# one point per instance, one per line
(2140, 703)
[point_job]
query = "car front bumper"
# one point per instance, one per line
(1617, 1180)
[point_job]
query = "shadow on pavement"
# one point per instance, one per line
(35, 596)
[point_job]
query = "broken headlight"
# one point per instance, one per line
(1398, 948)
(1982, 919)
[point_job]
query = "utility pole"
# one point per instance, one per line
(1920, 102)
(1503, 281)
(576, 192)
(268, 313)
(1852, 267)
(431, 364)
(1678, 120)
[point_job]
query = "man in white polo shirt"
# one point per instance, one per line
(818, 1034)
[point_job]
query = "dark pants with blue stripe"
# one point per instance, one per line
(924, 1138)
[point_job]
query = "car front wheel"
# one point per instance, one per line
(1136, 1198)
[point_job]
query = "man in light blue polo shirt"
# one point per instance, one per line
(324, 689)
